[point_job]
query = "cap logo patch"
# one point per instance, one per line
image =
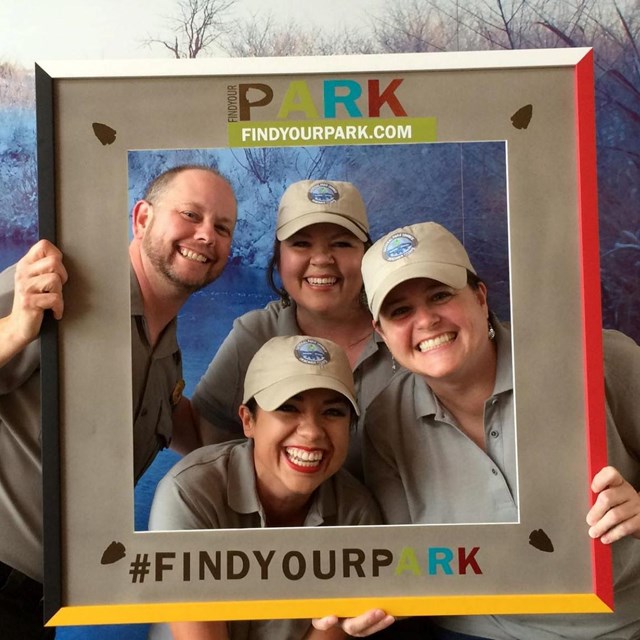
(398, 246)
(323, 193)
(311, 352)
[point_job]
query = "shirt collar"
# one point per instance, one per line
(242, 494)
(288, 326)
(168, 342)
(137, 307)
(323, 505)
(427, 404)
(425, 401)
(504, 369)
(375, 343)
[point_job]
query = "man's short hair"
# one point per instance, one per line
(156, 187)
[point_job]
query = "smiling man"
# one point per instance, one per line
(182, 230)
(185, 223)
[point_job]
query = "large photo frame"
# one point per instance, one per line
(540, 105)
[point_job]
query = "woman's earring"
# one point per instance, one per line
(492, 331)
(285, 300)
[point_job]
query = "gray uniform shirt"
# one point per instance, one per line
(214, 488)
(157, 384)
(20, 465)
(218, 395)
(414, 450)
(622, 387)
(155, 376)
(622, 411)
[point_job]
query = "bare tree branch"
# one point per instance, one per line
(263, 35)
(558, 32)
(199, 25)
(630, 36)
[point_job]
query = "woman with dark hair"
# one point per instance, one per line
(322, 233)
(297, 405)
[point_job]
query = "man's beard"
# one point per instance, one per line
(163, 266)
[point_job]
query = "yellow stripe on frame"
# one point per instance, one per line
(313, 608)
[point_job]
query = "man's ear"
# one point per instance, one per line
(141, 217)
(248, 423)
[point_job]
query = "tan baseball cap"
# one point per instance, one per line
(311, 201)
(287, 365)
(424, 250)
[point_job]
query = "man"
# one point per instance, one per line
(182, 231)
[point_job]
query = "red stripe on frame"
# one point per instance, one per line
(591, 303)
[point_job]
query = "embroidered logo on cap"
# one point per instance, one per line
(323, 193)
(311, 352)
(399, 245)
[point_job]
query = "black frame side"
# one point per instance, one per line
(49, 385)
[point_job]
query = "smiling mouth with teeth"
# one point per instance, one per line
(433, 343)
(192, 255)
(304, 458)
(321, 281)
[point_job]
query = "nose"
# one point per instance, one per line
(322, 256)
(206, 232)
(426, 316)
(310, 427)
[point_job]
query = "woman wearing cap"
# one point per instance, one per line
(453, 412)
(298, 404)
(431, 309)
(321, 236)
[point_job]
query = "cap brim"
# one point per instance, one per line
(278, 393)
(452, 275)
(316, 217)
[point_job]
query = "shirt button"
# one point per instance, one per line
(494, 434)
(494, 471)
(494, 401)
